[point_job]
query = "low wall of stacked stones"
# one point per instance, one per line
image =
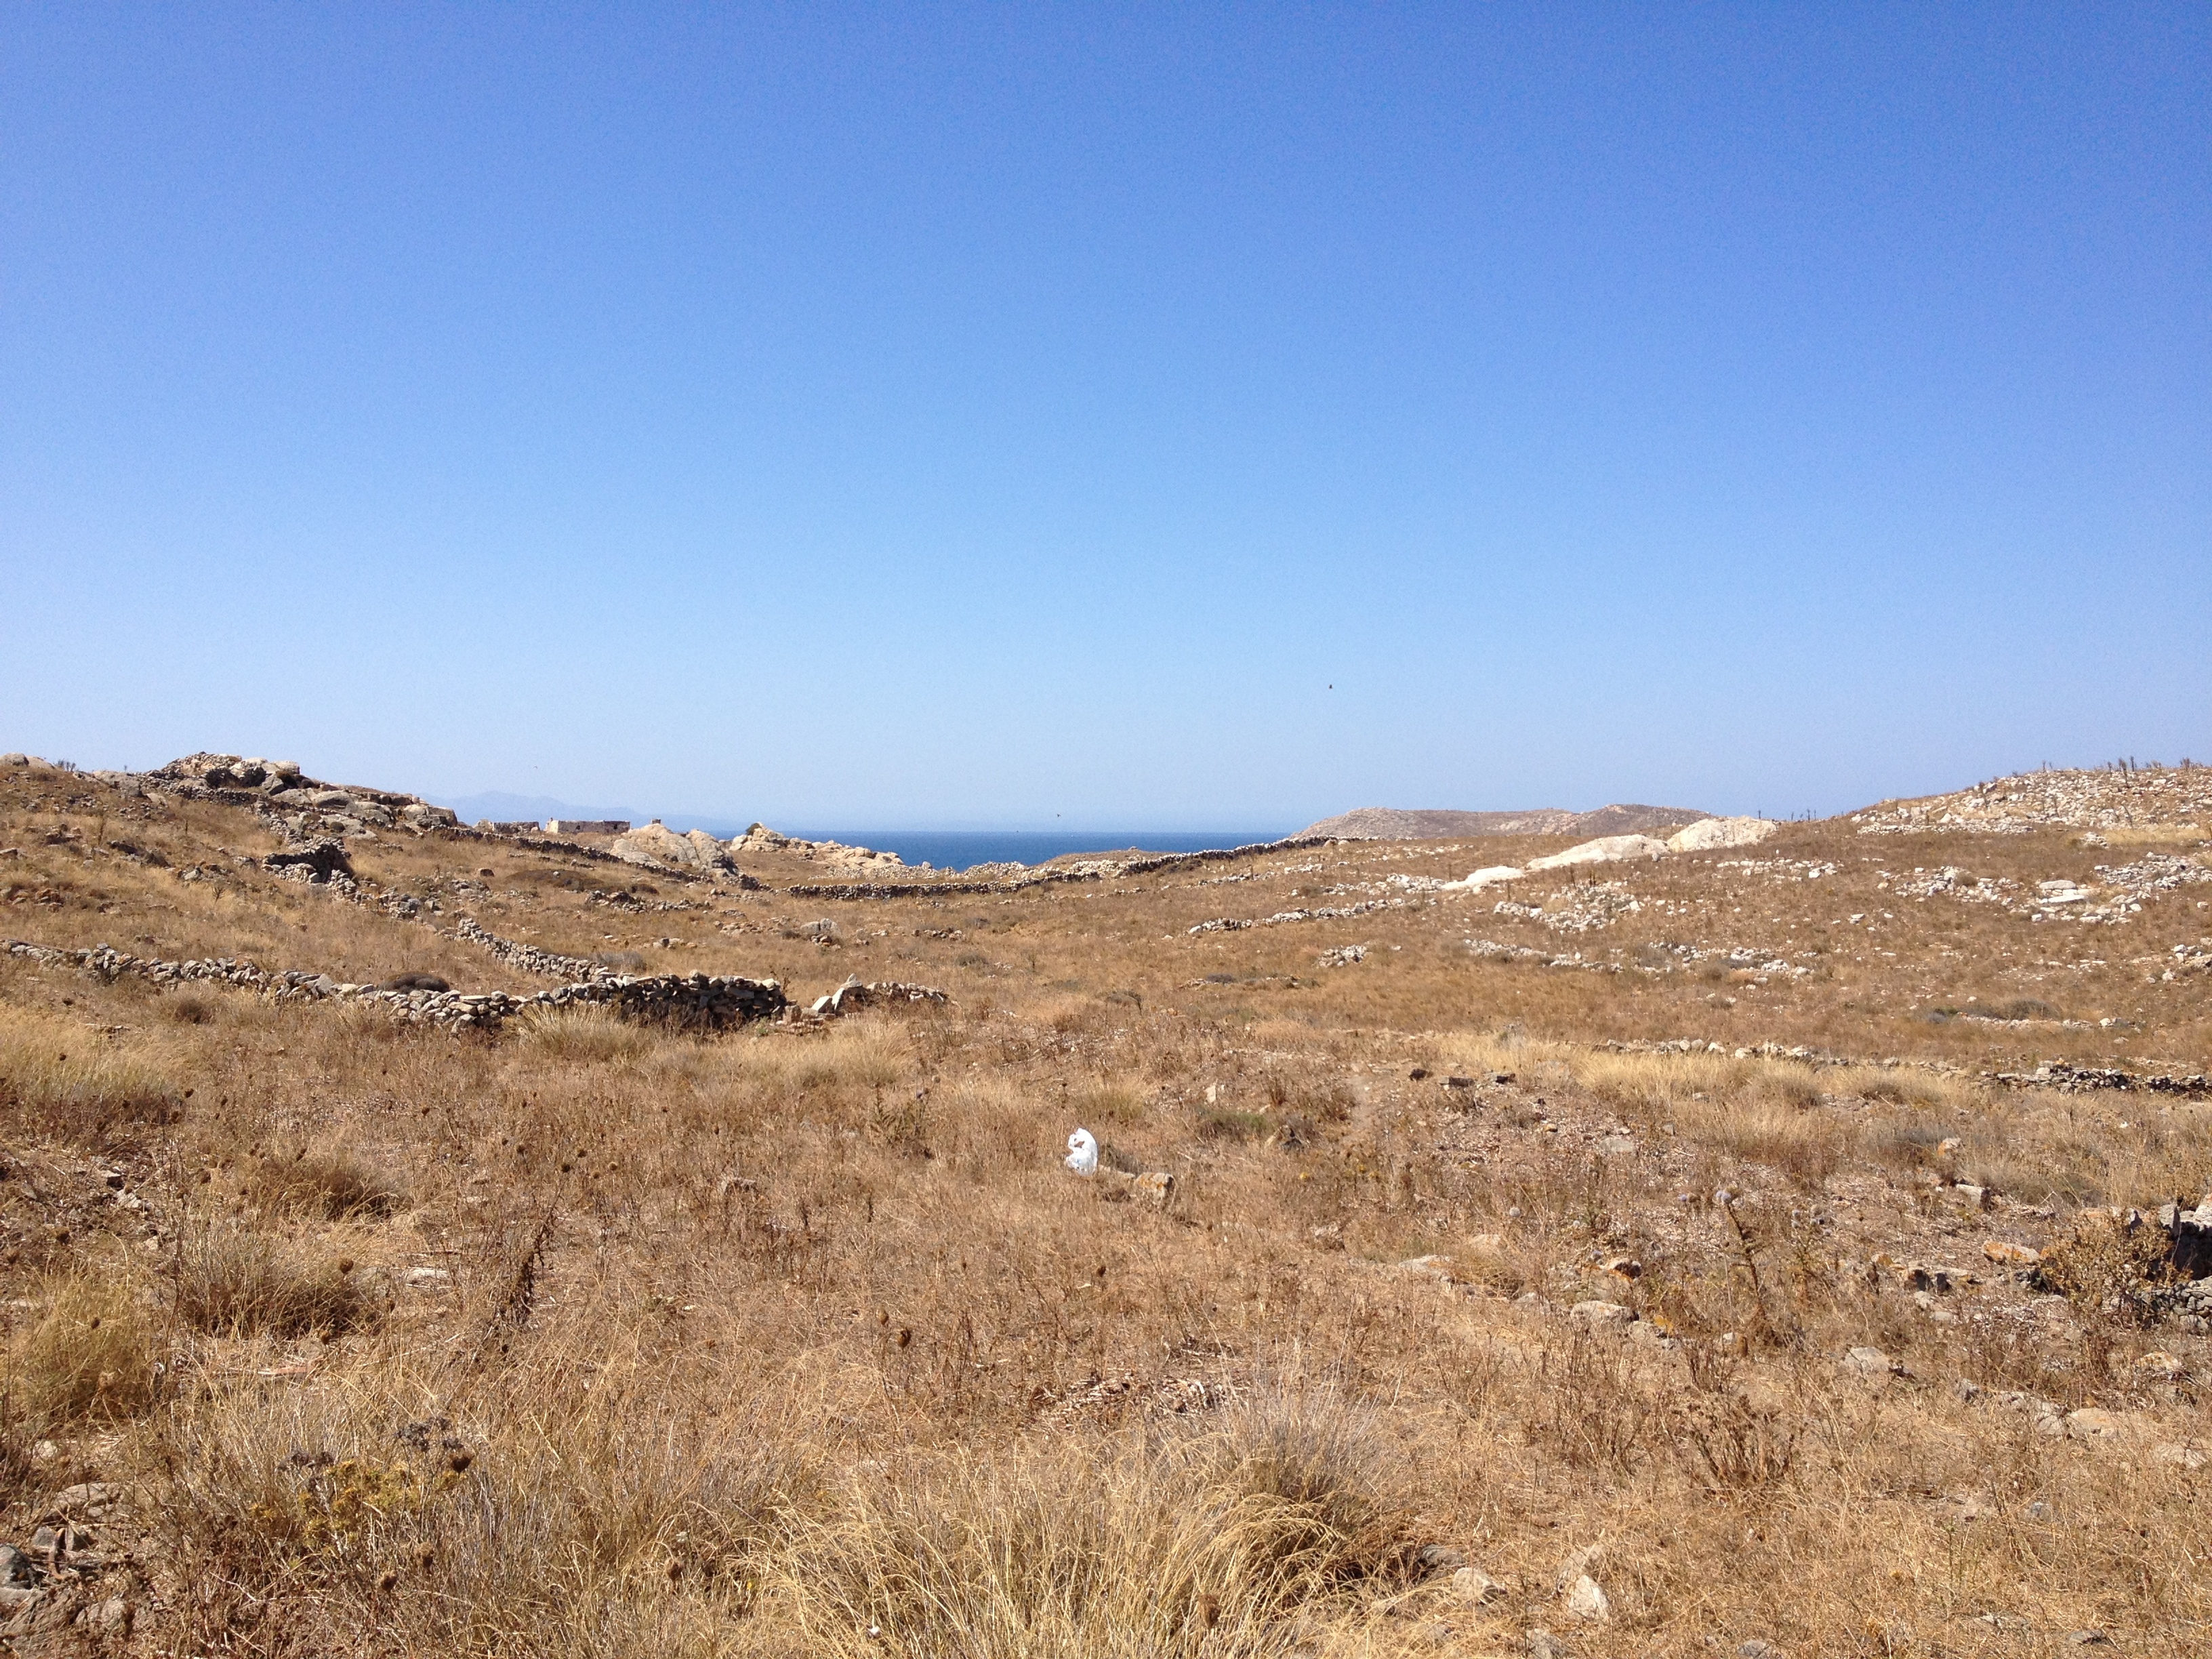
(686, 1001)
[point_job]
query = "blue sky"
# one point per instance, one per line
(1150, 416)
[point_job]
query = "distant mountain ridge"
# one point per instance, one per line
(1407, 824)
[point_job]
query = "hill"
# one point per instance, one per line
(419, 1240)
(1403, 824)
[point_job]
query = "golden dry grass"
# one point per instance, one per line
(588, 1338)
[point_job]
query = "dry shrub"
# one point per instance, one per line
(584, 1036)
(189, 1007)
(1589, 1406)
(1807, 1146)
(58, 1079)
(853, 1056)
(329, 1182)
(2111, 1267)
(1098, 1102)
(91, 1353)
(230, 1281)
(613, 1507)
(1202, 1541)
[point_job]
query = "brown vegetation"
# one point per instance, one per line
(585, 1338)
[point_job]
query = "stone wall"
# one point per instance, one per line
(687, 1001)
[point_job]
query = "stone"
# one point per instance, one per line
(1871, 1362)
(657, 847)
(1708, 833)
(1543, 1644)
(15, 1567)
(2007, 1254)
(1433, 1559)
(428, 1279)
(89, 1496)
(1755, 1649)
(1602, 1315)
(1586, 1599)
(1476, 1587)
(112, 1616)
(19, 1598)
(1488, 876)
(1606, 850)
(2095, 1423)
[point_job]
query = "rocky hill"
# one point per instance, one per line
(1404, 824)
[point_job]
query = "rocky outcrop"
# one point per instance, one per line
(1708, 833)
(317, 861)
(656, 846)
(1606, 849)
(2115, 798)
(304, 808)
(1400, 823)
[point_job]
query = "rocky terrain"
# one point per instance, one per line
(1400, 823)
(1708, 1237)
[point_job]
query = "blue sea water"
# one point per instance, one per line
(963, 850)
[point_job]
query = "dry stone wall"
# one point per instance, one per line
(690, 1002)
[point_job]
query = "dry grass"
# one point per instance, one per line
(58, 1079)
(91, 1351)
(657, 1343)
(229, 1279)
(1196, 1540)
(331, 1183)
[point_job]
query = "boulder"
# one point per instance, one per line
(658, 847)
(1606, 850)
(1488, 876)
(1707, 833)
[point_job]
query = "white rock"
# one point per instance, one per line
(1598, 1314)
(1586, 1599)
(1720, 832)
(1488, 876)
(1475, 1587)
(1606, 850)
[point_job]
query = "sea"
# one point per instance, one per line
(964, 849)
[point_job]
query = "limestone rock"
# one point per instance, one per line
(1602, 1315)
(1489, 876)
(1586, 1599)
(658, 847)
(1476, 1587)
(1708, 833)
(1606, 850)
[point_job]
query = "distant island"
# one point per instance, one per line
(1406, 824)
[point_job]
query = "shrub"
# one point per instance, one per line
(91, 1354)
(328, 1183)
(587, 1034)
(189, 1007)
(1203, 1541)
(228, 1281)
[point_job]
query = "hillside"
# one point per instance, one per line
(1401, 823)
(415, 1240)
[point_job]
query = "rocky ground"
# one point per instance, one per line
(417, 1240)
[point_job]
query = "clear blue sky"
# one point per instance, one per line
(1155, 416)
